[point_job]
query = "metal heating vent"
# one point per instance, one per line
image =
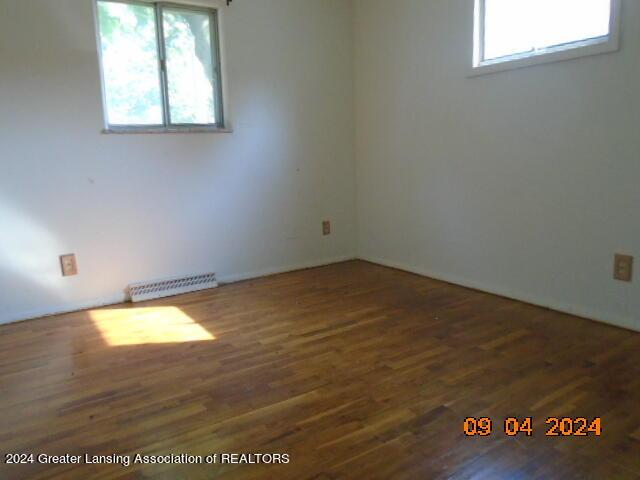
(173, 286)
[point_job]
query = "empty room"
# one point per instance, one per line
(319, 239)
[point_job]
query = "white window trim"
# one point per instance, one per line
(583, 48)
(227, 127)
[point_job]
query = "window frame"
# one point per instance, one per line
(568, 51)
(213, 11)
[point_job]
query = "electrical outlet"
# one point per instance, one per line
(326, 228)
(69, 265)
(623, 268)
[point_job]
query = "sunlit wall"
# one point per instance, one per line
(141, 207)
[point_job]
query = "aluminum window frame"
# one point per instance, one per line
(216, 64)
(567, 51)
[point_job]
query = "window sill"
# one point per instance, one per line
(551, 55)
(139, 131)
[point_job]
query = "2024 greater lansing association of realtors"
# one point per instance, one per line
(140, 459)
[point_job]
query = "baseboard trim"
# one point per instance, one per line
(590, 314)
(240, 277)
(61, 309)
(121, 297)
(552, 304)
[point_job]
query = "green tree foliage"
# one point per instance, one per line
(130, 61)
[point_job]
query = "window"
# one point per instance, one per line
(517, 33)
(160, 66)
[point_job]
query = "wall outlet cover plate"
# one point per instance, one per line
(69, 265)
(623, 268)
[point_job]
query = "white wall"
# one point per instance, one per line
(139, 207)
(523, 183)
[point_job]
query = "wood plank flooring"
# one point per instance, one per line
(353, 370)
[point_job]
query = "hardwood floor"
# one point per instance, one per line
(353, 370)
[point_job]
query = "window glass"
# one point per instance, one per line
(130, 64)
(188, 50)
(520, 26)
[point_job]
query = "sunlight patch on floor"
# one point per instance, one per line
(143, 326)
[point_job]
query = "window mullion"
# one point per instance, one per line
(482, 27)
(215, 64)
(162, 59)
